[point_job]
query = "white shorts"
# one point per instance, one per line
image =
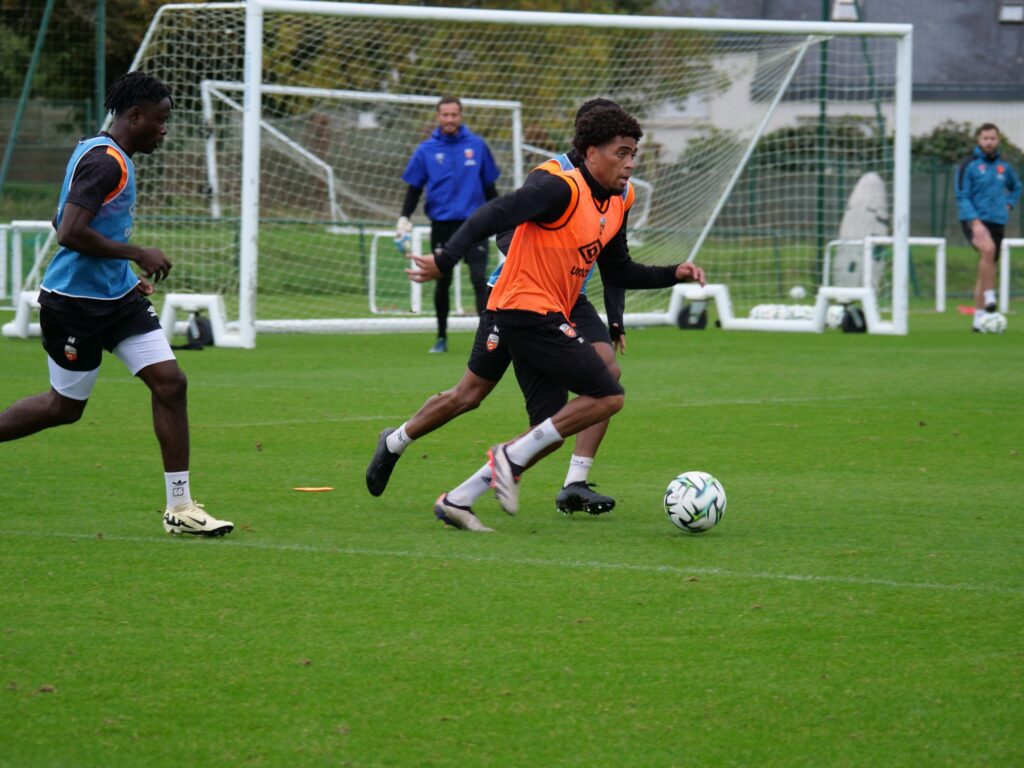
(136, 352)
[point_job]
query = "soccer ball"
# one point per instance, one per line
(797, 292)
(992, 322)
(695, 502)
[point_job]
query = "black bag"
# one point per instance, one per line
(693, 317)
(199, 333)
(853, 320)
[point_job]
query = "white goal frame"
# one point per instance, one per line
(248, 324)
(218, 89)
(1009, 243)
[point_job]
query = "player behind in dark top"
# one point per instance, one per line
(564, 223)
(488, 361)
(91, 299)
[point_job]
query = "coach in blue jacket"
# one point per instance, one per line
(987, 188)
(457, 169)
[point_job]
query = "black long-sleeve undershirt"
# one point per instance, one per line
(543, 199)
(412, 199)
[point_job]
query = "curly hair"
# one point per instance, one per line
(134, 89)
(587, 106)
(602, 124)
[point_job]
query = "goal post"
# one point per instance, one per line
(293, 121)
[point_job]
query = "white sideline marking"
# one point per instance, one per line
(754, 401)
(583, 564)
(692, 404)
(292, 422)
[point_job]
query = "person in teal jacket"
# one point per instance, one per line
(986, 189)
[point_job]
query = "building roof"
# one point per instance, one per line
(961, 50)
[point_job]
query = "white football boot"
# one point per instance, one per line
(504, 481)
(457, 516)
(192, 519)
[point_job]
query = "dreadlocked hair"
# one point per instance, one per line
(134, 89)
(602, 124)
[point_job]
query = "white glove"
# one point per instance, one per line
(403, 228)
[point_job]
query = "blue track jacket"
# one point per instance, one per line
(455, 170)
(985, 186)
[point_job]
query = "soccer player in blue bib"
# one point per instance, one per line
(92, 300)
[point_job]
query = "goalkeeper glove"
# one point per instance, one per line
(403, 235)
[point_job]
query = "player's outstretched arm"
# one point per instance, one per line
(543, 198)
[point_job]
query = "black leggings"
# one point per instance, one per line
(476, 260)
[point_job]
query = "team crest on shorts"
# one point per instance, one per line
(492, 342)
(568, 330)
(70, 353)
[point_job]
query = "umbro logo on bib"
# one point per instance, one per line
(590, 251)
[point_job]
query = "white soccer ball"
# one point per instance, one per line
(834, 315)
(695, 502)
(992, 322)
(797, 292)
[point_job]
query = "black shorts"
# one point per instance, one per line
(996, 230)
(551, 359)
(490, 356)
(588, 323)
(442, 231)
(76, 331)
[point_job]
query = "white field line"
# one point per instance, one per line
(296, 422)
(344, 419)
(595, 565)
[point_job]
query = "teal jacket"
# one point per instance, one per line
(985, 185)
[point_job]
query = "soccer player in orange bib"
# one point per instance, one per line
(565, 222)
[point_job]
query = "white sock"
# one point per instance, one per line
(177, 487)
(533, 442)
(398, 440)
(579, 469)
(472, 489)
(989, 297)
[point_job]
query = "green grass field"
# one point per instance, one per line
(861, 603)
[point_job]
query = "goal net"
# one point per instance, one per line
(757, 137)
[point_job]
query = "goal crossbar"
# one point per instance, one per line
(553, 19)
